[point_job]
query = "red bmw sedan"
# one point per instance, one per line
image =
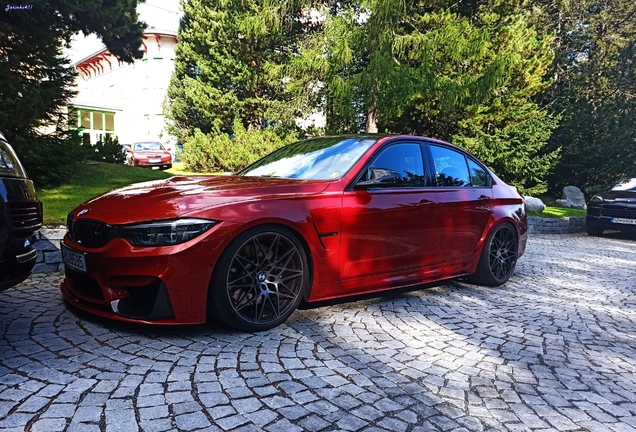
(316, 220)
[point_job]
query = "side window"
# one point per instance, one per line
(450, 167)
(403, 159)
(478, 176)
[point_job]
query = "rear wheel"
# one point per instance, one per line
(259, 280)
(498, 258)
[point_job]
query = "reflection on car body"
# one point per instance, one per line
(316, 220)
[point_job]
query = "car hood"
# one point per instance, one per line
(181, 196)
(618, 197)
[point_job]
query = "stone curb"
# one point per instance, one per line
(565, 225)
(48, 247)
(50, 258)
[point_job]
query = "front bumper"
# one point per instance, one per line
(155, 285)
(605, 223)
(146, 163)
(17, 260)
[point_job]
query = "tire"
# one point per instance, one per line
(593, 231)
(260, 279)
(498, 258)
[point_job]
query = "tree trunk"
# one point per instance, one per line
(372, 120)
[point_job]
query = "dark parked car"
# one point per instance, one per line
(316, 220)
(613, 209)
(148, 154)
(20, 219)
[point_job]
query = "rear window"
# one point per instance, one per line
(9, 164)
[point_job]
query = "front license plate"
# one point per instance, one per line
(154, 160)
(74, 259)
(624, 221)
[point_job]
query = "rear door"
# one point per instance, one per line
(462, 194)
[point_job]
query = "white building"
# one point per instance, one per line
(121, 99)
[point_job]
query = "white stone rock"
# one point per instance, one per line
(534, 204)
(572, 198)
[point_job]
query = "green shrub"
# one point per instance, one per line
(107, 150)
(48, 159)
(205, 153)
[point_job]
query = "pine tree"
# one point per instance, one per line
(594, 89)
(36, 78)
(222, 67)
(466, 72)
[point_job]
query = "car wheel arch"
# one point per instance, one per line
(495, 222)
(217, 306)
(285, 226)
(477, 277)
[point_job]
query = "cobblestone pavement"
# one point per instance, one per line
(554, 349)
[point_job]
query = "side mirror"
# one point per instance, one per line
(380, 177)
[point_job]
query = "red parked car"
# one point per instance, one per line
(148, 154)
(316, 220)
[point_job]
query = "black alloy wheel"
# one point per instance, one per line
(498, 258)
(260, 280)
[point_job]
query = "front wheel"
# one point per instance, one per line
(259, 280)
(498, 258)
(593, 231)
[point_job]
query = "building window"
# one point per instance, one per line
(86, 119)
(94, 124)
(98, 121)
(110, 122)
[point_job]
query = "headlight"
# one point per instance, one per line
(165, 233)
(596, 199)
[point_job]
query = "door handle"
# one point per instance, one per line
(425, 202)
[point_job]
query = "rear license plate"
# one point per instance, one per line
(624, 221)
(73, 259)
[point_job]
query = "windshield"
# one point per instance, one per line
(148, 146)
(625, 184)
(315, 159)
(9, 164)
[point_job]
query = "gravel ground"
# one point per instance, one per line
(554, 349)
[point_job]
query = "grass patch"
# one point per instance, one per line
(178, 168)
(93, 179)
(559, 212)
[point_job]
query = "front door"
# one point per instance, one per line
(388, 229)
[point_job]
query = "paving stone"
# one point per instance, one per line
(49, 425)
(313, 423)
(191, 421)
(85, 414)
(351, 423)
